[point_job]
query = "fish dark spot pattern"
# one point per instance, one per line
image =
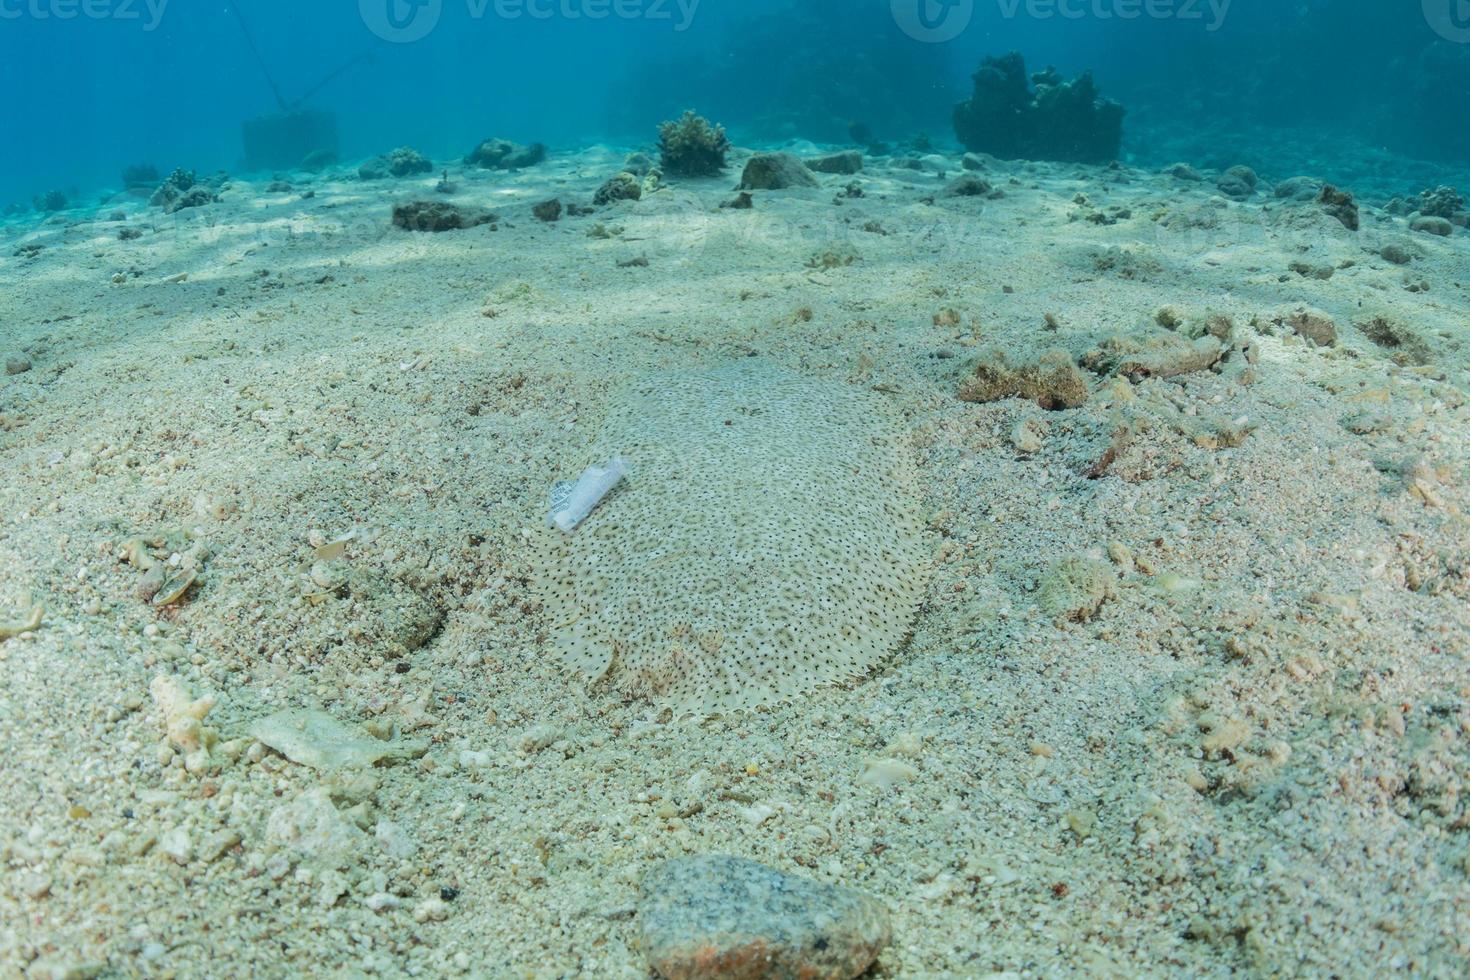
(806, 515)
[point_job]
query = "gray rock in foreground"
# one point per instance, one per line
(713, 916)
(774, 172)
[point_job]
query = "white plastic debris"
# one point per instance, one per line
(570, 505)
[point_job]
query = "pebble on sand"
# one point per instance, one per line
(17, 364)
(183, 718)
(715, 916)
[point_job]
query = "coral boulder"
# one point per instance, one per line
(691, 146)
(501, 154)
(402, 162)
(1058, 120)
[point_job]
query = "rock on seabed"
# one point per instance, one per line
(436, 216)
(715, 917)
(845, 162)
(774, 172)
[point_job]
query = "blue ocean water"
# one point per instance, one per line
(1358, 91)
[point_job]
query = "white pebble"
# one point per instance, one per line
(758, 814)
(431, 910)
(886, 773)
(382, 901)
(175, 845)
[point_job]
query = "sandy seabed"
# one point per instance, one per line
(1251, 760)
